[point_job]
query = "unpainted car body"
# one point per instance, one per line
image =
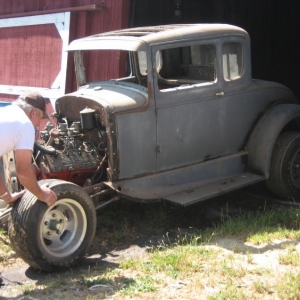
(185, 123)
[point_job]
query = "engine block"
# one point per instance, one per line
(74, 154)
(72, 160)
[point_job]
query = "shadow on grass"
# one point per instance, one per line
(125, 224)
(88, 280)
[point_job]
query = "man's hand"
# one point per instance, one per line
(11, 198)
(48, 196)
(27, 178)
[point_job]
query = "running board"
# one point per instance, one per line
(211, 190)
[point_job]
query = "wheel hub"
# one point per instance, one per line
(53, 224)
(63, 228)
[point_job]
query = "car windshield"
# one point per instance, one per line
(109, 65)
(120, 65)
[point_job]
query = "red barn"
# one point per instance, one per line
(34, 35)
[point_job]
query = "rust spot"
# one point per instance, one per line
(150, 90)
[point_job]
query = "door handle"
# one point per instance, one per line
(220, 94)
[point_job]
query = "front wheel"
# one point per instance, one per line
(284, 180)
(53, 237)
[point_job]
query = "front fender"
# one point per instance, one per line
(265, 133)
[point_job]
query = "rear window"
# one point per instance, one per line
(232, 60)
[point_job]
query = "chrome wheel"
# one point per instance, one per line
(63, 228)
(48, 238)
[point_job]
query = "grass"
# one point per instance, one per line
(6, 251)
(191, 263)
(289, 287)
(291, 257)
(142, 284)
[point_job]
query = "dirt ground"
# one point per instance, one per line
(16, 273)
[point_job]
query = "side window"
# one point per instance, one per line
(190, 65)
(142, 61)
(232, 60)
(142, 57)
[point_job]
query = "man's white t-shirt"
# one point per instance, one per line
(16, 130)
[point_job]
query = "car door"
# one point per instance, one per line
(242, 99)
(188, 107)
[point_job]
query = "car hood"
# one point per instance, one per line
(111, 96)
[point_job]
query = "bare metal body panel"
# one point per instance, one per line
(183, 122)
(171, 128)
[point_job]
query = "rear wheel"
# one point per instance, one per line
(284, 180)
(52, 237)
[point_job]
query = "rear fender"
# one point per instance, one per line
(265, 133)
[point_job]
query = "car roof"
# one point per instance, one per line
(139, 38)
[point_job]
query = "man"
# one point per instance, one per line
(17, 132)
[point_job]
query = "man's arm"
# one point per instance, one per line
(25, 172)
(27, 177)
(6, 196)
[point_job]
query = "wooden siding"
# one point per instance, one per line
(273, 26)
(45, 58)
(33, 55)
(24, 6)
(30, 55)
(114, 16)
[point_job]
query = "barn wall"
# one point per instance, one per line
(274, 29)
(36, 64)
(33, 54)
(273, 26)
(114, 16)
(20, 53)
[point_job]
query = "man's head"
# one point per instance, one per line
(36, 100)
(34, 104)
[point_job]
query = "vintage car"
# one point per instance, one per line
(184, 124)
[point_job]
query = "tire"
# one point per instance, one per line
(284, 180)
(49, 238)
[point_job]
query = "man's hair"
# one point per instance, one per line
(24, 105)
